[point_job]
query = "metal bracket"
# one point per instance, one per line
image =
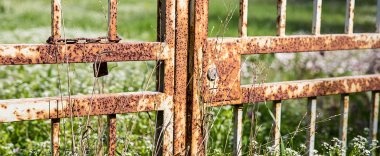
(221, 72)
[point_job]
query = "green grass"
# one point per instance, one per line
(29, 22)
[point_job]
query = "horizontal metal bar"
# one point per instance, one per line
(304, 88)
(310, 88)
(17, 54)
(303, 43)
(102, 104)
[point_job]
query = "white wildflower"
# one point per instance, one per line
(315, 151)
(366, 152)
(303, 146)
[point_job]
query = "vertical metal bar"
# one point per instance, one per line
(111, 134)
(180, 78)
(238, 129)
(317, 9)
(378, 17)
(56, 19)
(55, 137)
(344, 103)
(311, 115)
(55, 34)
(198, 37)
(112, 20)
(206, 132)
(243, 14)
(169, 14)
(374, 117)
(281, 17)
(159, 134)
(349, 17)
(161, 11)
(276, 135)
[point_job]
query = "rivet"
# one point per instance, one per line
(212, 73)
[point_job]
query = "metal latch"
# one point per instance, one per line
(100, 69)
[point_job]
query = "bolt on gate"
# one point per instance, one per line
(194, 72)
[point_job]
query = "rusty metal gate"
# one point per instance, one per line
(194, 72)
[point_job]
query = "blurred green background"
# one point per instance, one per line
(26, 21)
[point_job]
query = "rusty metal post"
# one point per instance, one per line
(166, 26)
(349, 17)
(160, 77)
(198, 37)
(374, 118)
(238, 129)
(378, 17)
(276, 135)
(159, 134)
(344, 105)
(112, 20)
(55, 34)
(180, 78)
(111, 134)
(281, 18)
(55, 137)
(311, 115)
(317, 9)
(56, 19)
(243, 15)
(161, 8)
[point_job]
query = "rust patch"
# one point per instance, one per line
(226, 58)
(180, 77)
(55, 19)
(309, 88)
(80, 53)
(102, 104)
(3, 106)
(111, 132)
(304, 43)
(55, 136)
(112, 22)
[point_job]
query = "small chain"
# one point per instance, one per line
(50, 40)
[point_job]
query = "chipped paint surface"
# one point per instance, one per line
(276, 125)
(102, 104)
(243, 15)
(112, 20)
(344, 105)
(349, 27)
(198, 32)
(238, 130)
(55, 137)
(309, 88)
(374, 116)
(111, 134)
(11, 54)
(317, 9)
(304, 43)
(226, 58)
(56, 19)
(180, 78)
(311, 118)
(281, 17)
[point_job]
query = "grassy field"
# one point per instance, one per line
(26, 21)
